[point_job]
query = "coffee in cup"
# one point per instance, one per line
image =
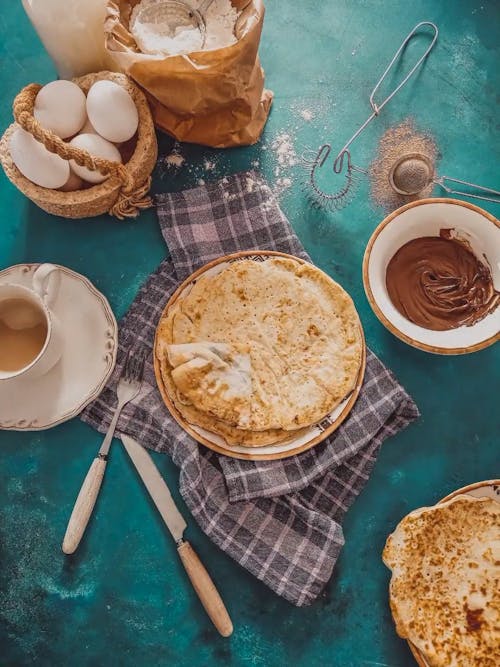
(23, 332)
(30, 342)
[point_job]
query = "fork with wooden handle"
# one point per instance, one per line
(128, 388)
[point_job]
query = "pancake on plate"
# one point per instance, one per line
(445, 585)
(260, 350)
(231, 435)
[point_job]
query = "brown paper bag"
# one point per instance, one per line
(216, 98)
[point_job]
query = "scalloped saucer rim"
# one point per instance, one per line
(84, 368)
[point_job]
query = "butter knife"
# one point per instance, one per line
(159, 492)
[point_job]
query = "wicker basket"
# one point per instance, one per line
(123, 194)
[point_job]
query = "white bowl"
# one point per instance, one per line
(425, 218)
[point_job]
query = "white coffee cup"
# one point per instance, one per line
(42, 294)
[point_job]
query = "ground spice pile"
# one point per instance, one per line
(394, 143)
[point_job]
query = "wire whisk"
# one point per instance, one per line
(343, 162)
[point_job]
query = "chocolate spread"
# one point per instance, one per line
(438, 283)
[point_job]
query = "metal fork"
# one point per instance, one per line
(128, 388)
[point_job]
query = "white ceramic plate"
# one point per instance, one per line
(425, 218)
(281, 450)
(90, 340)
(487, 489)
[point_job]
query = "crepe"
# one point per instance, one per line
(288, 335)
(215, 374)
(231, 435)
(445, 585)
(192, 415)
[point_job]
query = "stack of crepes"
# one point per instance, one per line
(260, 350)
(445, 586)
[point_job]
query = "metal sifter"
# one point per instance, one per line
(413, 172)
(342, 162)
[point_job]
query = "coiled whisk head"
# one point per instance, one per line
(342, 164)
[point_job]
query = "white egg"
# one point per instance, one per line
(112, 111)
(73, 183)
(35, 162)
(98, 147)
(60, 107)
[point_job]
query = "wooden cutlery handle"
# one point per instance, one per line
(84, 505)
(205, 589)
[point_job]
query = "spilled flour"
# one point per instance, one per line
(285, 156)
(307, 114)
(394, 143)
(278, 156)
(154, 36)
(174, 159)
(284, 150)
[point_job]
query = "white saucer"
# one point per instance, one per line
(90, 341)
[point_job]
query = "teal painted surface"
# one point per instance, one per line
(123, 598)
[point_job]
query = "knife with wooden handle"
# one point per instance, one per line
(159, 492)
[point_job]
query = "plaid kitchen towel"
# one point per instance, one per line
(281, 520)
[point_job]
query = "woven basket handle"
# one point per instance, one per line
(23, 113)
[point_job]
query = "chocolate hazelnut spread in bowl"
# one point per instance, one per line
(431, 273)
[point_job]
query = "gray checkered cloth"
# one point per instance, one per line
(279, 519)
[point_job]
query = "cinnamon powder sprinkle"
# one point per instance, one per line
(394, 143)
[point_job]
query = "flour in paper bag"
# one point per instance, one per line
(153, 38)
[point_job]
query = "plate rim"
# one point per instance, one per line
(464, 490)
(113, 324)
(425, 347)
(251, 455)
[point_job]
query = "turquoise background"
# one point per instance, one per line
(124, 599)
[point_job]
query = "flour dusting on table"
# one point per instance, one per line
(174, 159)
(284, 150)
(278, 156)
